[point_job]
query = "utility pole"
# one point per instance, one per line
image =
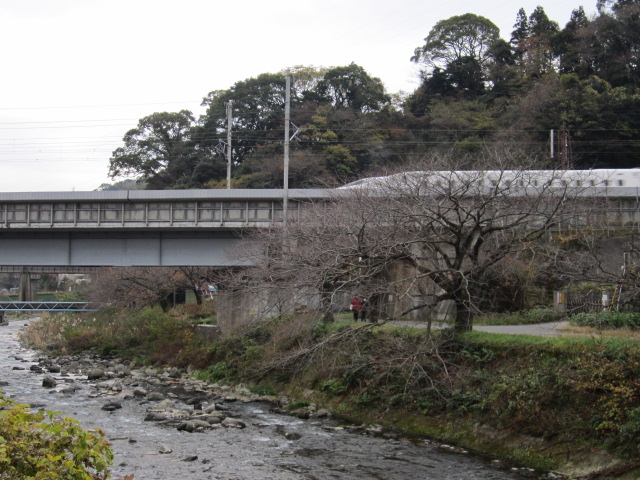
(565, 152)
(229, 121)
(287, 119)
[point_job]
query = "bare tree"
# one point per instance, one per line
(142, 286)
(409, 240)
(590, 262)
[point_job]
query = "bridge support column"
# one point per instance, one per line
(28, 287)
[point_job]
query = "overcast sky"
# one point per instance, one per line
(77, 74)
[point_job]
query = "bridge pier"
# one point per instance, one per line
(28, 287)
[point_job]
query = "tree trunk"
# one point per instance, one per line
(464, 318)
(198, 294)
(325, 304)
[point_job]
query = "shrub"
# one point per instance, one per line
(630, 430)
(334, 386)
(215, 373)
(607, 320)
(39, 446)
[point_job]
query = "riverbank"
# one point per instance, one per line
(236, 435)
(564, 404)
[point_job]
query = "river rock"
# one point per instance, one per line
(54, 368)
(111, 406)
(95, 374)
(49, 382)
(126, 395)
(193, 426)
(213, 419)
(139, 393)
(120, 368)
(165, 449)
(155, 417)
(72, 366)
(195, 401)
(155, 396)
(232, 423)
(322, 413)
(163, 405)
(36, 369)
(374, 429)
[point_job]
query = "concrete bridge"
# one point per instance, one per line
(50, 232)
(56, 230)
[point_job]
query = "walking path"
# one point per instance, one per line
(551, 329)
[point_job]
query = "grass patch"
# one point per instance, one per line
(611, 345)
(527, 317)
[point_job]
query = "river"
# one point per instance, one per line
(271, 447)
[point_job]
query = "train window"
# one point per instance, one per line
(620, 183)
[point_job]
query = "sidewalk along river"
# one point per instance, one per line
(252, 443)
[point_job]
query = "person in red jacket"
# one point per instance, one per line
(356, 308)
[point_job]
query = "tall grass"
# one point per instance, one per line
(149, 335)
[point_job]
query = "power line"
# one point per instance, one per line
(70, 107)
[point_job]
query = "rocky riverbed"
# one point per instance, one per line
(164, 424)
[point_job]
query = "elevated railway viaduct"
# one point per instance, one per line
(56, 232)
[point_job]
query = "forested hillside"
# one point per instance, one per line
(480, 88)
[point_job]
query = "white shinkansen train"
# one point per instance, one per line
(602, 178)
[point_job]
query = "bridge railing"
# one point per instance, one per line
(153, 208)
(148, 214)
(48, 306)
